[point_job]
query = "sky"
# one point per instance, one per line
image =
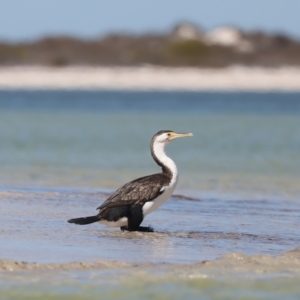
(31, 19)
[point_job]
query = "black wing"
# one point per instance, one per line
(138, 191)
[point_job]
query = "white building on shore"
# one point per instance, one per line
(228, 36)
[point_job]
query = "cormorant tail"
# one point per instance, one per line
(85, 221)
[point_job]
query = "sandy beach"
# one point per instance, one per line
(235, 78)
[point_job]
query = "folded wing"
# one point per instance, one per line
(138, 191)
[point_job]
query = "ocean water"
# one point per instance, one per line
(63, 152)
(243, 142)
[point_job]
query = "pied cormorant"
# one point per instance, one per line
(128, 206)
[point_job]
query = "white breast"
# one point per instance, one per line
(160, 200)
(159, 152)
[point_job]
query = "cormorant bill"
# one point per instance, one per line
(129, 205)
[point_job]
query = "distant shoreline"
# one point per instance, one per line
(144, 78)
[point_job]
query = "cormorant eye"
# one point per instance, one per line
(169, 134)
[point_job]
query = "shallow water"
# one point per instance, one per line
(34, 228)
(143, 286)
(62, 152)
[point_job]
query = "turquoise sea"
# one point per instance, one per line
(63, 152)
(243, 142)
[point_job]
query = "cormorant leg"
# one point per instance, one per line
(135, 218)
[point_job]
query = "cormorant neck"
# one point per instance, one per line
(158, 153)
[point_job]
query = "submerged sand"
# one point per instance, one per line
(13, 265)
(239, 78)
(235, 261)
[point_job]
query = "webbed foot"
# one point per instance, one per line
(145, 229)
(140, 228)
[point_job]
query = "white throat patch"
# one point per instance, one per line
(159, 152)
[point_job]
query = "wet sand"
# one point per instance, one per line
(233, 276)
(235, 78)
(234, 261)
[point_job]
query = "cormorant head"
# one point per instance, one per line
(166, 136)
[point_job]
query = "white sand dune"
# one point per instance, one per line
(235, 78)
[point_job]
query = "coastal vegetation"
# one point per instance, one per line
(185, 45)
